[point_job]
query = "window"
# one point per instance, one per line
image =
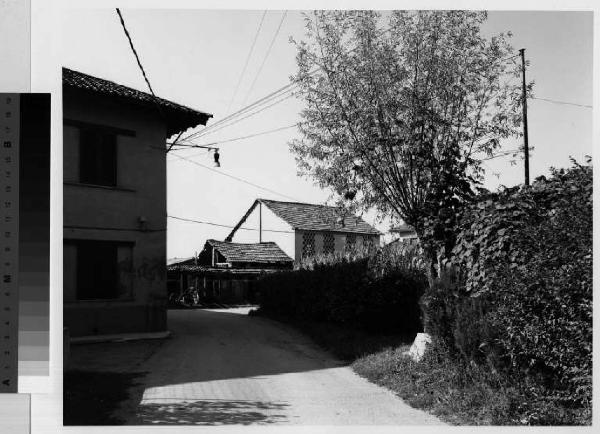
(308, 244)
(103, 270)
(350, 242)
(328, 244)
(97, 157)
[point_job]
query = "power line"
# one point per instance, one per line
(503, 154)
(265, 58)
(284, 89)
(241, 138)
(268, 98)
(261, 101)
(247, 60)
(225, 226)
(561, 102)
(236, 178)
(235, 121)
(137, 58)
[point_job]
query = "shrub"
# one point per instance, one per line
(517, 295)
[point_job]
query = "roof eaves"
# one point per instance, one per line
(178, 117)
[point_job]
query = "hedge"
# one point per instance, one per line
(376, 291)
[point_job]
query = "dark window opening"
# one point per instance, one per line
(97, 157)
(350, 242)
(103, 270)
(308, 244)
(328, 244)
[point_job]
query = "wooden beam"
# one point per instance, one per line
(260, 222)
(241, 222)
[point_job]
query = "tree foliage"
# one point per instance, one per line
(401, 107)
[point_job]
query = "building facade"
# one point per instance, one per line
(114, 205)
(404, 233)
(303, 230)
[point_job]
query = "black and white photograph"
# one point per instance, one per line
(330, 217)
(307, 217)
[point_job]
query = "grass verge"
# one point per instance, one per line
(467, 394)
(458, 393)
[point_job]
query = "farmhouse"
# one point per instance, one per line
(225, 272)
(303, 229)
(114, 141)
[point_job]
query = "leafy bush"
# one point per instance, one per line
(375, 291)
(517, 294)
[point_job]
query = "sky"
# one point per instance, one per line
(196, 58)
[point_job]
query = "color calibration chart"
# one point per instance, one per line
(25, 241)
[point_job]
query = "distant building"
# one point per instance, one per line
(404, 233)
(225, 272)
(114, 194)
(303, 229)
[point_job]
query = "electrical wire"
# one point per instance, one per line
(265, 58)
(503, 154)
(237, 86)
(226, 226)
(561, 102)
(261, 101)
(240, 138)
(228, 120)
(236, 178)
(137, 58)
(235, 121)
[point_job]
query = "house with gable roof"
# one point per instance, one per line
(225, 272)
(115, 204)
(303, 229)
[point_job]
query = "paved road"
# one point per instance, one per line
(225, 367)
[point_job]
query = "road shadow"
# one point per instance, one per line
(205, 346)
(92, 398)
(211, 412)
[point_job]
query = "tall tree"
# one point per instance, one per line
(400, 108)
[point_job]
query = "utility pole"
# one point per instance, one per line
(525, 136)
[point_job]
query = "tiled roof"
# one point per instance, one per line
(257, 253)
(179, 118)
(219, 271)
(310, 217)
(175, 261)
(403, 230)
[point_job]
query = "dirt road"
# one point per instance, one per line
(224, 367)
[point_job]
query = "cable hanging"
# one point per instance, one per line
(235, 121)
(261, 101)
(265, 58)
(137, 58)
(561, 102)
(225, 226)
(192, 146)
(237, 86)
(236, 178)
